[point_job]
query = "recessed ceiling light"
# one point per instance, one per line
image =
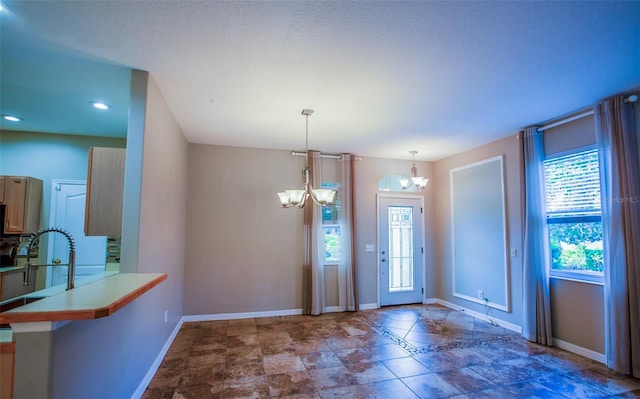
(100, 105)
(11, 118)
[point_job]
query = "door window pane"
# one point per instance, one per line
(400, 248)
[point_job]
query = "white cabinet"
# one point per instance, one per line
(105, 186)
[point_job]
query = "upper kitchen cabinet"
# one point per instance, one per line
(105, 185)
(23, 197)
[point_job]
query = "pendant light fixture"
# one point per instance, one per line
(298, 198)
(418, 181)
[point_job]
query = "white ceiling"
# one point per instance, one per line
(383, 77)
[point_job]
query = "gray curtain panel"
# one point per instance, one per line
(620, 190)
(536, 319)
(347, 228)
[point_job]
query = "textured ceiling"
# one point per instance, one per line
(383, 77)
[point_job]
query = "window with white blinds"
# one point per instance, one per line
(572, 185)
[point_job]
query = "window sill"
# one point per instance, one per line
(577, 277)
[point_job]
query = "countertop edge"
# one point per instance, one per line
(127, 299)
(61, 314)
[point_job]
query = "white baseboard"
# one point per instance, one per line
(156, 363)
(597, 356)
(247, 315)
(478, 315)
(430, 301)
(368, 306)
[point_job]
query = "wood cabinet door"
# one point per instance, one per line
(105, 185)
(15, 191)
(23, 197)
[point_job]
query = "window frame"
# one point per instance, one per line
(587, 216)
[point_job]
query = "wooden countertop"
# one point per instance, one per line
(97, 299)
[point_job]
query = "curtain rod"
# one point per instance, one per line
(629, 99)
(301, 154)
(566, 120)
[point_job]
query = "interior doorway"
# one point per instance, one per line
(401, 249)
(68, 199)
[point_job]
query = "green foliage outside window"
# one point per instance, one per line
(576, 246)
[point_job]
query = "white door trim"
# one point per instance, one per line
(386, 195)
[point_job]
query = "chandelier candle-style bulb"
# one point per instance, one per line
(420, 182)
(323, 196)
(297, 197)
(289, 198)
(285, 201)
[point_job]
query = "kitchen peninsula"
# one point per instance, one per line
(34, 323)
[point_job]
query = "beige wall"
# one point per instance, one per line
(163, 202)
(244, 252)
(509, 148)
(577, 313)
(570, 136)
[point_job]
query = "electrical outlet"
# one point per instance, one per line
(480, 294)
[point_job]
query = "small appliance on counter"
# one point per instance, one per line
(8, 255)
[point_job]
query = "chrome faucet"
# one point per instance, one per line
(72, 256)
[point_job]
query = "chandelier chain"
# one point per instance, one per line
(306, 143)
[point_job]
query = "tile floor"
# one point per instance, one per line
(421, 351)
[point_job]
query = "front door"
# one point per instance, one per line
(401, 247)
(67, 212)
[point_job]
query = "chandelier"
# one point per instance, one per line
(298, 198)
(418, 181)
